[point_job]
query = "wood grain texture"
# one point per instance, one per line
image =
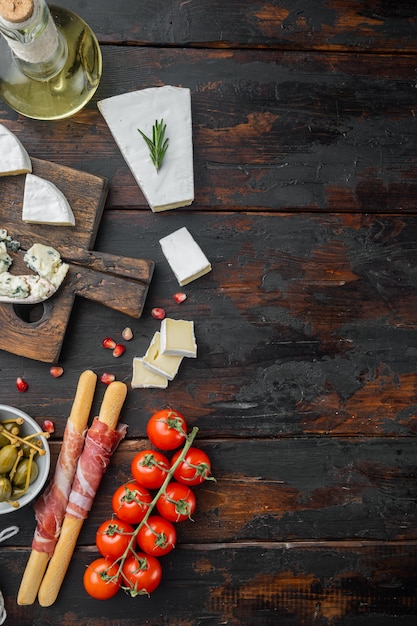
(304, 389)
(272, 130)
(335, 25)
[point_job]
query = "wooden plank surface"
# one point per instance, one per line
(304, 387)
(272, 130)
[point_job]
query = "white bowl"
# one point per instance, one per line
(43, 462)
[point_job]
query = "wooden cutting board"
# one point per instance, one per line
(121, 283)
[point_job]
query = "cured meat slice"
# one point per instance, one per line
(100, 443)
(50, 506)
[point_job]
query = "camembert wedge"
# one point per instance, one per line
(172, 185)
(14, 158)
(44, 203)
(184, 255)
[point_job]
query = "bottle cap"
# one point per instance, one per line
(16, 11)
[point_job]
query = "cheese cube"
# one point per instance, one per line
(184, 255)
(172, 185)
(177, 338)
(145, 378)
(162, 364)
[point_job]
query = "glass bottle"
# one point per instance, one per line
(50, 60)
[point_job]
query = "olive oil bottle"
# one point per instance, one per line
(50, 60)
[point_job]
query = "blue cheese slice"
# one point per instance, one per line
(44, 203)
(162, 364)
(47, 262)
(184, 255)
(172, 185)
(145, 378)
(5, 258)
(14, 158)
(177, 338)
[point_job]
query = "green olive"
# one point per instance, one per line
(19, 479)
(5, 489)
(8, 456)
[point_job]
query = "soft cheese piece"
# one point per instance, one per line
(44, 203)
(5, 258)
(172, 185)
(46, 261)
(162, 364)
(14, 158)
(184, 255)
(27, 289)
(145, 378)
(177, 338)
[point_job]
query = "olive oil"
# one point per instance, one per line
(55, 87)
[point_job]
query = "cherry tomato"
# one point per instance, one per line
(130, 502)
(113, 537)
(143, 572)
(177, 503)
(101, 579)
(149, 468)
(194, 469)
(167, 429)
(157, 536)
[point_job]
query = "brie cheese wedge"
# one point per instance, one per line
(184, 255)
(144, 378)
(44, 203)
(172, 185)
(177, 338)
(14, 158)
(162, 364)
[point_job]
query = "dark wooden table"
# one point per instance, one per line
(304, 389)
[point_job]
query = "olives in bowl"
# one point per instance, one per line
(24, 459)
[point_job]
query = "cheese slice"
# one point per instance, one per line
(177, 338)
(145, 378)
(172, 185)
(162, 364)
(5, 258)
(184, 255)
(44, 203)
(14, 158)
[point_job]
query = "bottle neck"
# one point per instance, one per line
(38, 48)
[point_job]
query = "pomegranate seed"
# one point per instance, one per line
(119, 349)
(179, 297)
(127, 333)
(107, 378)
(48, 426)
(56, 371)
(158, 313)
(108, 342)
(21, 384)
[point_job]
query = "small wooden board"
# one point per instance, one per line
(117, 282)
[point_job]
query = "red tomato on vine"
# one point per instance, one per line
(102, 579)
(149, 468)
(142, 572)
(113, 537)
(157, 536)
(167, 429)
(130, 502)
(178, 502)
(194, 469)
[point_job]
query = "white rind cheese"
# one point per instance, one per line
(46, 261)
(145, 378)
(44, 203)
(184, 255)
(172, 186)
(162, 364)
(14, 158)
(177, 338)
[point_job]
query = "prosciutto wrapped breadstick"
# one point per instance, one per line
(103, 437)
(50, 506)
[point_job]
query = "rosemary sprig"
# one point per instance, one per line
(158, 145)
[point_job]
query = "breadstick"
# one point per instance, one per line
(78, 418)
(113, 400)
